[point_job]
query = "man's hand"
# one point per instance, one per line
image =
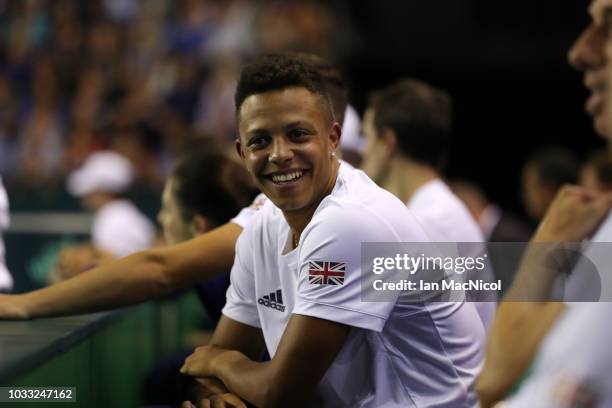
(228, 400)
(11, 308)
(77, 259)
(574, 215)
(205, 361)
(212, 393)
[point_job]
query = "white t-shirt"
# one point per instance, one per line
(6, 280)
(574, 364)
(246, 214)
(446, 219)
(399, 354)
(120, 228)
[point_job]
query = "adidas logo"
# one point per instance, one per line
(274, 300)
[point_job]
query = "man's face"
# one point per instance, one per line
(287, 138)
(588, 54)
(376, 156)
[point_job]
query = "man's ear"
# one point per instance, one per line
(199, 224)
(389, 139)
(239, 148)
(334, 135)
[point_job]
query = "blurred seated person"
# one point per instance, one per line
(203, 192)
(543, 174)
(408, 127)
(497, 225)
(596, 172)
(118, 227)
(6, 280)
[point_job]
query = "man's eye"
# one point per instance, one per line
(257, 141)
(299, 133)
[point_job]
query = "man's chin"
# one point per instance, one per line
(288, 205)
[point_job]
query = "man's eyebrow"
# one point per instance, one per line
(295, 124)
(256, 131)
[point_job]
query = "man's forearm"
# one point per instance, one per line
(123, 282)
(253, 381)
(136, 278)
(542, 263)
(514, 338)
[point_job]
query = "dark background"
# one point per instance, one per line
(505, 64)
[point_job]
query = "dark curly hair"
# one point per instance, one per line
(275, 72)
(335, 84)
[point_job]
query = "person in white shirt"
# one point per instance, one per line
(296, 280)
(407, 127)
(6, 280)
(118, 226)
(572, 370)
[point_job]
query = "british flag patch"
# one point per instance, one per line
(326, 273)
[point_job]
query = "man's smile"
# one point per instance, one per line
(286, 177)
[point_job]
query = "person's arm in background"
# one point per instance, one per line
(136, 278)
(520, 325)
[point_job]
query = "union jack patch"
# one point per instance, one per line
(326, 273)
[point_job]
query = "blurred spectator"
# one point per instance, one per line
(543, 174)
(204, 191)
(6, 280)
(596, 172)
(352, 141)
(408, 129)
(40, 136)
(118, 227)
(8, 135)
(72, 70)
(496, 224)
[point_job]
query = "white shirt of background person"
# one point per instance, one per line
(6, 280)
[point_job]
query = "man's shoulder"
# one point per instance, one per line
(361, 210)
(443, 215)
(266, 221)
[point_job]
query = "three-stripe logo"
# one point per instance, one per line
(273, 300)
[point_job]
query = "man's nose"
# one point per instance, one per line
(281, 151)
(588, 49)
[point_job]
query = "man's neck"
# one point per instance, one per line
(404, 177)
(298, 220)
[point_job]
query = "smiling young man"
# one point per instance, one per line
(296, 280)
(160, 271)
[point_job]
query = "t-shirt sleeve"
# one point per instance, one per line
(240, 303)
(330, 269)
(245, 215)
